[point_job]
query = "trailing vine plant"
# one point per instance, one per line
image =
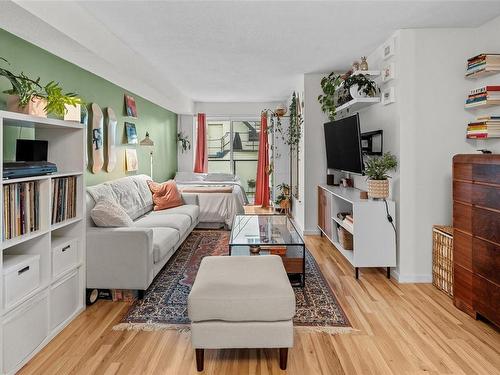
(294, 132)
(330, 84)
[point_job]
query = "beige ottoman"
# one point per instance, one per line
(241, 302)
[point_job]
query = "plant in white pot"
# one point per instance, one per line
(360, 86)
(376, 171)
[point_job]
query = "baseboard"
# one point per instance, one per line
(409, 278)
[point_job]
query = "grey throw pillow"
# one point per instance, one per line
(109, 214)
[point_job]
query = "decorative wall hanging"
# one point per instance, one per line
(131, 133)
(131, 159)
(388, 49)
(111, 140)
(388, 96)
(130, 106)
(97, 138)
(388, 72)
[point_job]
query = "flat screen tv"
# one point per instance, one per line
(343, 145)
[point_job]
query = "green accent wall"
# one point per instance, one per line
(159, 122)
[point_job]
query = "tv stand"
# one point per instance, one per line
(373, 236)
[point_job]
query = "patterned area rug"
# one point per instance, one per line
(165, 303)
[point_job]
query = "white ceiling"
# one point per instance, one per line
(235, 51)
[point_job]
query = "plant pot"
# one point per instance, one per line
(353, 90)
(378, 189)
(35, 107)
(73, 113)
(285, 204)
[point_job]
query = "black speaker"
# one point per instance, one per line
(330, 179)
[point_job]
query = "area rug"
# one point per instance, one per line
(165, 302)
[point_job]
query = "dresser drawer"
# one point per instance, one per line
(462, 249)
(462, 171)
(21, 275)
(64, 299)
(486, 224)
(486, 300)
(462, 191)
(462, 216)
(486, 196)
(462, 285)
(489, 173)
(64, 255)
(486, 260)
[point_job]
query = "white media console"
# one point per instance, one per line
(374, 238)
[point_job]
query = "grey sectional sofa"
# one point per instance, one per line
(130, 257)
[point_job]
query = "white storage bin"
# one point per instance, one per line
(24, 329)
(64, 299)
(21, 275)
(64, 255)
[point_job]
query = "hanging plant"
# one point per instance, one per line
(330, 84)
(294, 130)
(184, 140)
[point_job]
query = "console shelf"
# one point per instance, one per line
(373, 236)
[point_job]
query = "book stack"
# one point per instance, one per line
(482, 63)
(63, 198)
(21, 214)
(483, 95)
(348, 222)
(484, 127)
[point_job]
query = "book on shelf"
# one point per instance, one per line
(482, 62)
(484, 127)
(63, 198)
(21, 214)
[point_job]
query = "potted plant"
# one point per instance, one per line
(251, 184)
(283, 201)
(360, 86)
(184, 140)
(30, 97)
(284, 188)
(329, 84)
(376, 169)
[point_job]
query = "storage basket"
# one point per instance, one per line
(442, 258)
(345, 238)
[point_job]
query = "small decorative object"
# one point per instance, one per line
(283, 199)
(364, 64)
(130, 106)
(363, 195)
(97, 138)
(388, 96)
(30, 97)
(280, 110)
(254, 249)
(388, 49)
(111, 140)
(376, 169)
(73, 113)
(347, 182)
(329, 84)
(184, 140)
(251, 183)
(148, 142)
(131, 159)
(360, 86)
(388, 72)
(355, 66)
(131, 133)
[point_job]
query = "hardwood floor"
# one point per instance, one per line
(400, 329)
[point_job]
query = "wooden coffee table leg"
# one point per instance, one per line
(283, 358)
(199, 359)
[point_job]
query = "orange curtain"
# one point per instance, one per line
(262, 183)
(201, 157)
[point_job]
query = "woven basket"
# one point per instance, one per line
(378, 188)
(442, 258)
(345, 238)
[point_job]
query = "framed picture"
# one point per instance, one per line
(130, 106)
(388, 72)
(132, 164)
(388, 96)
(388, 49)
(131, 133)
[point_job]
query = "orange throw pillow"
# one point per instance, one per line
(165, 195)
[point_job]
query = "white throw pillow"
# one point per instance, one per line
(109, 214)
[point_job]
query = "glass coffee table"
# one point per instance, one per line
(270, 234)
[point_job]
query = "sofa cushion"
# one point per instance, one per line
(241, 289)
(110, 214)
(165, 195)
(175, 221)
(164, 241)
(132, 193)
(191, 210)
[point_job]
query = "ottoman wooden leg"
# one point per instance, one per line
(283, 358)
(200, 354)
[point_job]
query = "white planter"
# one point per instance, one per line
(353, 90)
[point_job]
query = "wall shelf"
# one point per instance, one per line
(357, 104)
(483, 104)
(488, 71)
(371, 73)
(27, 121)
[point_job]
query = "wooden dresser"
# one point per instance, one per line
(476, 222)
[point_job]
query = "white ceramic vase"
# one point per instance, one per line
(353, 90)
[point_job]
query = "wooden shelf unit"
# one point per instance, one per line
(32, 321)
(374, 237)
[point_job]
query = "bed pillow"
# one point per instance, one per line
(165, 195)
(107, 213)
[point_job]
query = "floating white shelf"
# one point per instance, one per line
(371, 73)
(357, 104)
(487, 71)
(483, 104)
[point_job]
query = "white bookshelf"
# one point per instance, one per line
(27, 325)
(374, 239)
